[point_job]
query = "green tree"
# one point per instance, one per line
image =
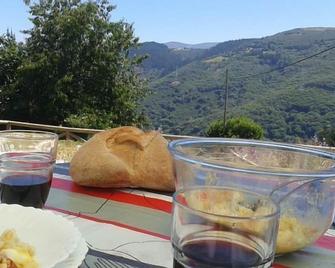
(76, 66)
(11, 55)
(240, 127)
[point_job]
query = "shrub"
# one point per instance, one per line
(240, 127)
(216, 129)
(89, 120)
(327, 135)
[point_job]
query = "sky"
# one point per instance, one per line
(198, 21)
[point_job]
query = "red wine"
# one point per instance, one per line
(26, 190)
(216, 253)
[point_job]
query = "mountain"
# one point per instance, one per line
(162, 60)
(290, 103)
(178, 45)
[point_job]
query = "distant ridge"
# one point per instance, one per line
(178, 45)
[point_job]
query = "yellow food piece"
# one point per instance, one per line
(292, 233)
(231, 204)
(14, 253)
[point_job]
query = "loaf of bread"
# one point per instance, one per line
(124, 157)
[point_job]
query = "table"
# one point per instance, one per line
(131, 228)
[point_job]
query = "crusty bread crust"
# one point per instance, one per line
(124, 157)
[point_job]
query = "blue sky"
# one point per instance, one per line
(196, 21)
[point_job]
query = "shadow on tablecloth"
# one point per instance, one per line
(97, 259)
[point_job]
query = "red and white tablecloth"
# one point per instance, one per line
(131, 228)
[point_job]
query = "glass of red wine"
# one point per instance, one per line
(26, 166)
(223, 227)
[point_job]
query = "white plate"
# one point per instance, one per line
(76, 257)
(53, 237)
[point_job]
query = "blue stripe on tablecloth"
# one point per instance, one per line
(62, 168)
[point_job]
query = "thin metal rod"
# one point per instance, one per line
(226, 100)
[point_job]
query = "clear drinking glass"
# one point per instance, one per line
(300, 179)
(223, 227)
(26, 166)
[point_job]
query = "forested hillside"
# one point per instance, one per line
(292, 103)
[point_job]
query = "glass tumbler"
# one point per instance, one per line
(26, 166)
(223, 227)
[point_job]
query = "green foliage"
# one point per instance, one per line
(11, 57)
(245, 128)
(330, 138)
(161, 60)
(102, 120)
(240, 127)
(93, 119)
(216, 128)
(293, 103)
(327, 135)
(75, 66)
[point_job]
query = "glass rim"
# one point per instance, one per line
(44, 159)
(177, 154)
(45, 135)
(274, 214)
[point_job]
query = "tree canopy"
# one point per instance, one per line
(74, 67)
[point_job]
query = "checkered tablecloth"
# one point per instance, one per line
(131, 228)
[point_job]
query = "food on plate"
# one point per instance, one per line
(124, 157)
(14, 253)
(293, 234)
